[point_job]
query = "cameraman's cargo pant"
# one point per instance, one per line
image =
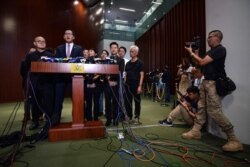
(210, 102)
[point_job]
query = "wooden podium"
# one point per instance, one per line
(78, 128)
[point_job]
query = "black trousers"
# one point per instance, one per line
(41, 99)
(92, 95)
(112, 100)
(60, 89)
(129, 96)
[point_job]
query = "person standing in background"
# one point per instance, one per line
(122, 52)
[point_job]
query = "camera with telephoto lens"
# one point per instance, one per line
(195, 44)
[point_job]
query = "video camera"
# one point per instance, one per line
(195, 44)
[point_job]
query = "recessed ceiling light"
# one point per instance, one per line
(98, 11)
(102, 21)
(127, 9)
(158, 3)
(76, 2)
(122, 21)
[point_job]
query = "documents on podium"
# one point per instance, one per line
(78, 128)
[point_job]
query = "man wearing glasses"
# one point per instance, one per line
(39, 86)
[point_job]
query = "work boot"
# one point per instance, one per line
(194, 133)
(233, 144)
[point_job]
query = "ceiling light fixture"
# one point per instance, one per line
(76, 2)
(98, 11)
(126, 9)
(157, 3)
(122, 21)
(102, 21)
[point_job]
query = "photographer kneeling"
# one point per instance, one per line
(186, 108)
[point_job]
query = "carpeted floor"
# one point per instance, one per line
(143, 145)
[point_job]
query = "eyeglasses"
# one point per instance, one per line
(39, 41)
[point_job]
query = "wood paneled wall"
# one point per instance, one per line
(164, 43)
(22, 20)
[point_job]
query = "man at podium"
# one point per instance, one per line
(67, 50)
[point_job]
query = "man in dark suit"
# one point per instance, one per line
(113, 108)
(67, 50)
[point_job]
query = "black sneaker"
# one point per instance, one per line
(165, 123)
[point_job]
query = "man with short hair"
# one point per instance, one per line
(186, 108)
(114, 82)
(40, 86)
(122, 52)
(213, 64)
(67, 50)
(133, 84)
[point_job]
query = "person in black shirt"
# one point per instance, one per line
(40, 86)
(113, 100)
(90, 90)
(134, 75)
(212, 64)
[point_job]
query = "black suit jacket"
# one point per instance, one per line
(77, 51)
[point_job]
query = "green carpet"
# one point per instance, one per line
(151, 144)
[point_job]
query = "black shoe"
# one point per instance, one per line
(34, 125)
(165, 122)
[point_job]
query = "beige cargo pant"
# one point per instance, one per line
(210, 102)
(180, 111)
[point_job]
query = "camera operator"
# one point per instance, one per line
(213, 63)
(187, 108)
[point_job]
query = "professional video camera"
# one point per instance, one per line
(195, 44)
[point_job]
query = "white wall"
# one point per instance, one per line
(232, 18)
(126, 44)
